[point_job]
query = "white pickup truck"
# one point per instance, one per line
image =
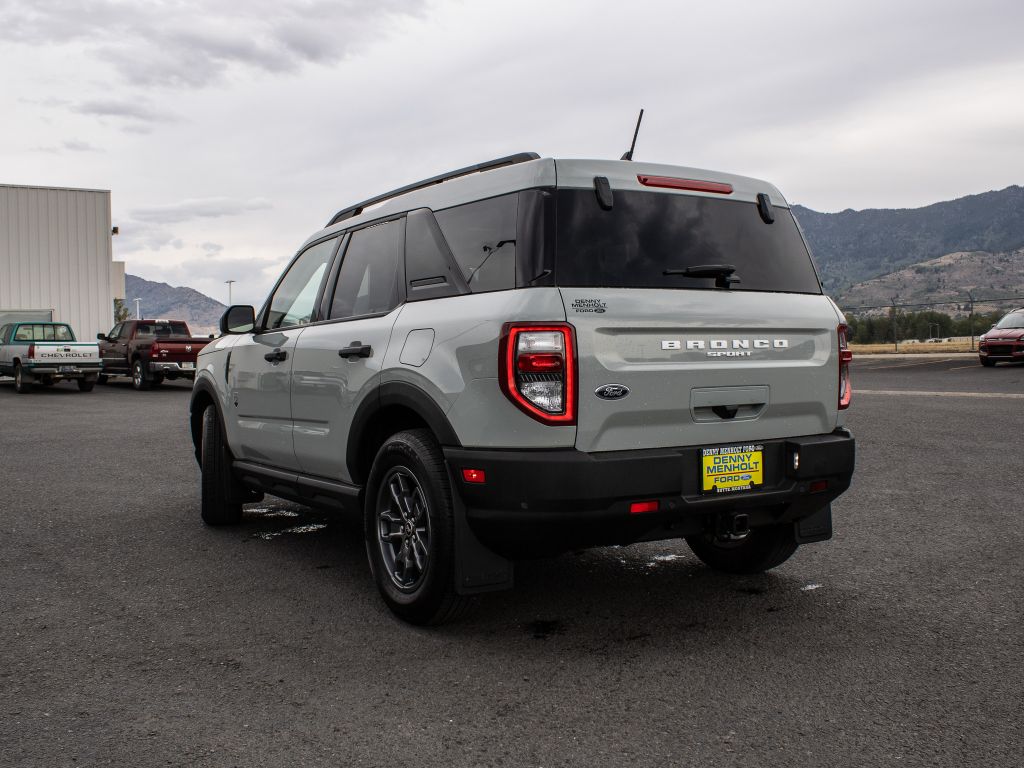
(47, 353)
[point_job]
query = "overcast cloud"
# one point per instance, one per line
(245, 126)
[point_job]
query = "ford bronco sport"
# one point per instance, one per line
(534, 355)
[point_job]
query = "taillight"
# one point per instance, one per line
(538, 370)
(845, 358)
(154, 349)
(694, 185)
(31, 351)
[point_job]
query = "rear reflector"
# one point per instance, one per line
(819, 485)
(694, 185)
(640, 507)
(474, 476)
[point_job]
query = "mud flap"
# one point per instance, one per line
(814, 527)
(477, 568)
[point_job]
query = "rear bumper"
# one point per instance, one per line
(171, 368)
(76, 371)
(541, 501)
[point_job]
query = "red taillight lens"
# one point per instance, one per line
(477, 476)
(540, 362)
(31, 351)
(845, 358)
(538, 370)
(154, 350)
(694, 185)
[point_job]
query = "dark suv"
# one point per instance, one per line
(1004, 342)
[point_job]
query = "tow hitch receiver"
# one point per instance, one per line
(732, 527)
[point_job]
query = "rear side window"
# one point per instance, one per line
(429, 270)
(482, 237)
(646, 233)
(368, 282)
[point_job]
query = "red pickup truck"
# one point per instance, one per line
(150, 351)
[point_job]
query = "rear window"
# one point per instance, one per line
(161, 331)
(646, 233)
(43, 332)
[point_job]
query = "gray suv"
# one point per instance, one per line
(533, 355)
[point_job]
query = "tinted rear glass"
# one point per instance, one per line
(646, 233)
(161, 331)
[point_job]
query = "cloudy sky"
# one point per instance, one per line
(229, 132)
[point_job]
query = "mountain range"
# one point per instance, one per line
(853, 246)
(937, 253)
(174, 303)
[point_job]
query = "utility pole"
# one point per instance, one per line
(970, 310)
(892, 317)
(229, 282)
(138, 314)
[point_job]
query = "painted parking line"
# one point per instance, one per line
(910, 365)
(976, 367)
(925, 393)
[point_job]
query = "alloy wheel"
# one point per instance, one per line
(403, 528)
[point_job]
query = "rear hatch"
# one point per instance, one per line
(671, 359)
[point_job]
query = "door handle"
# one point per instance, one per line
(276, 356)
(356, 349)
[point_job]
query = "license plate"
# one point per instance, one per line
(65, 369)
(188, 366)
(732, 468)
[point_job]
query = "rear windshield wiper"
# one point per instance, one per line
(723, 273)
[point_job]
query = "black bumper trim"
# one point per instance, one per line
(570, 498)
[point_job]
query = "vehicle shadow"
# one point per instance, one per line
(596, 600)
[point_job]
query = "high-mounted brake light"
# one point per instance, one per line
(537, 365)
(845, 358)
(693, 185)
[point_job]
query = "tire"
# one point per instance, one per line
(986, 362)
(218, 502)
(760, 550)
(102, 378)
(408, 499)
(140, 377)
(22, 382)
(86, 385)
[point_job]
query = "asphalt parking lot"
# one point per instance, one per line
(132, 635)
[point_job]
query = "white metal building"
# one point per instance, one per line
(56, 257)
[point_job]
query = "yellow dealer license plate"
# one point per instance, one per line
(733, 468)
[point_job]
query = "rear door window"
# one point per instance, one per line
(369, 279)
(482, 237)
(647, 233)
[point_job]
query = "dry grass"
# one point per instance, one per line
(940, 347)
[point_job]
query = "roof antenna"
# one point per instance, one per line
(629, 155)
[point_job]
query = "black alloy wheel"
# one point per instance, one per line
(409, 530)
(403, 528)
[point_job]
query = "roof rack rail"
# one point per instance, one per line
(355, 210)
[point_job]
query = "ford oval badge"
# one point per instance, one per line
(612, 391)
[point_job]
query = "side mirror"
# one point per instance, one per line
(101, 336)
(238, 319)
